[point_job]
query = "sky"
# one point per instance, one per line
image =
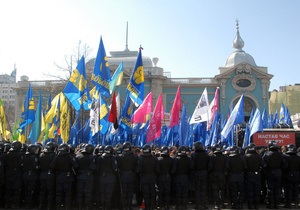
(191, 38)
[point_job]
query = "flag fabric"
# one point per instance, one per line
(236, 117)
(95, 112)
(125, 118)
(28, 115)
(140, 115)
(113, 116)
(256, 123)
(275, 118)
(247, 136)
(54, 129)
(74, 130)
(51, 110)
(2, 120)
(101, 74)
(135, 86)
(183, 127)
(201, 111)
(287, 118)
(282, 114)
(175, 112)
(65, 121)
(154, 129)
(76, 90)
(213, 108)
(37, 124)
(117, 78)
(104, 112)
(264, 119)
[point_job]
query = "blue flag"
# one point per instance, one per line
(74, 130)
(183, 127)
(101, 74)
(287, 118)
(76, 89)
(247, 136)
(125, 118)
(104, 112)
(264, 119)
(256, 123)
(236, 117)
(27, 115)
(37, 124)
(135, 86)
(282, 114)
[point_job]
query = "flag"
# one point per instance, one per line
(287, 118)
(51, 110)
(95, 112)
(37, 124)
(142, 113)
(74, 130)
(201, 111)
(104, 123)
(117, 78)
(154, 129)
(264, 119)
(2, 120)
(256, 123)
(175, 112)
(101, 74)
(135, 86)
(236, 117)
(65, 121)
(54, 129)
(247, 136)
(125, 118)
(76, 89)
(113, 116)
(275, 118)
(27, 109)
(213, 107)
(282, 114)
(183, 127)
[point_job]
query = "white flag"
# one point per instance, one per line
(201, 111)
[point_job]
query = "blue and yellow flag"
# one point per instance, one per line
(37, 124)
(27, 109)
(76, 89)
(2, 120)
(135, 86)
(101, 74)
(104, 112)
(117, 78)
(125, 118)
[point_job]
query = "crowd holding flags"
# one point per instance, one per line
(108, 123)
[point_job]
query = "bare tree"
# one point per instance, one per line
(71, 61)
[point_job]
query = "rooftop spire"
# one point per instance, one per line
(126, 46)
(238, 42)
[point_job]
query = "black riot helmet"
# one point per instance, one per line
(291, 149)
(198, 146)
(272, 145)
(182, 150)
(32, 149)
(126, 147)
(164, 150)
(16, 146)
(251, 148)
(108, 150)
(234, 150)
(7, 147)
(217, 148)
(50, 147)
(146, 149)
(64, 149)
(88, 148)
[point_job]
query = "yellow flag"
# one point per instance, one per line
(43, 126)
(65, 122)
(50, 114)
(2, 120)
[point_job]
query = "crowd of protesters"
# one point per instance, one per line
(121, 177)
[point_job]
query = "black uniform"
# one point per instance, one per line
(127, 164)
(107, 166)
(47, 180)
(274, 166)
(64, 165)
(292, 177)
(30, 177)
(165, 163)
(236, 168)
(253, 177)
(201, 162)
(85, 179)
(148, 167)
(13, 178)
(182, 166)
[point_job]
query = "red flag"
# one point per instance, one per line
(175, 112)
(213, 107)
(113, 115)
(155, 123)
(144, 109)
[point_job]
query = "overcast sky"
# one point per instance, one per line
(191, 38)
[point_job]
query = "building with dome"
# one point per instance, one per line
(239, 75)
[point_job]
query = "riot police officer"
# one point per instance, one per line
(85, 177)
(64, 165)
(292, 176)
(47, 176)
(148, 168)
(107, 166)
(200, 173)
(127, 164)
(182, 166)
(30, 173)
(253, 175)
(236, 168)
(13, 175)
(274, 166)
(164, 180)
